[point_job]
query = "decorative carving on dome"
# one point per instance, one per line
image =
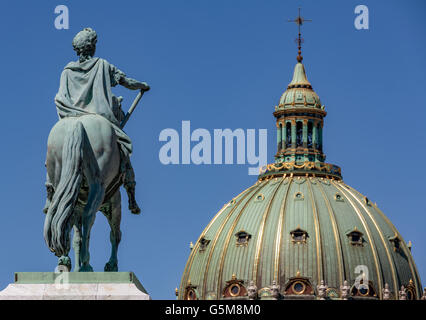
(252, 291)
(275, 290)
(285, 180)
(402, 293)
(299, 180)
(264, 293)
(190, 291)
(234, 288)
(299, 235)
(332, 294)
(386, 293)
(325, 181)
(298, 285)
(274, 181)
(321, 289)
(424, 295)
(345, 290)
(243, 238)
(411, 291)
(317, 168)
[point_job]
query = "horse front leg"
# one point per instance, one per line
(114, 220)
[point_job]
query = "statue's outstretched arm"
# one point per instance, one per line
(133, 84)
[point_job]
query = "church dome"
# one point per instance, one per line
(300, 232)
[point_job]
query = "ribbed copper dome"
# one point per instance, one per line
(297, 231)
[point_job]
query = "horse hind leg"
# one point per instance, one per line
(113, 214)
(76, 243)
(95, 197)
(49, 190)
(96, 194)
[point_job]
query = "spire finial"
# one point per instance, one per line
(299, 21)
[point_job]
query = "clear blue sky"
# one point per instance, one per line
(219, 64)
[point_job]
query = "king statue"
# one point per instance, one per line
(88, 155)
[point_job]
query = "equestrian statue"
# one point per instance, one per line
(88, 155)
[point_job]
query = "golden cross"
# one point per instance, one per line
(299, 21)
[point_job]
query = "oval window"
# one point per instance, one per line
(234, 290)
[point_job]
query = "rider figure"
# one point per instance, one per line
(85, 88)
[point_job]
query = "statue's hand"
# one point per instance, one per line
(145, 86)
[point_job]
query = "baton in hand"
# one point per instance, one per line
(132, 108)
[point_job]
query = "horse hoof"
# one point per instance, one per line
(87, 268)
(64, 261)
(111, 267)
(134, 208)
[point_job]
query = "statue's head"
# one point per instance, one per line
(84, 43)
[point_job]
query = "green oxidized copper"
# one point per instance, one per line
(87, 156)
(300, 118)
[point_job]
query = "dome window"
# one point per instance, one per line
(190, 292)
(288, 135)
(299, 134)
(310, 134)
(242, 238)
(411, 291)
(204, 243)
(299, 196)
(338, 197)
(366, 290)
(298, 285)
(396, 242)
(190, 295)
(367, 201)
(234, 288)
(298, 235)
(356, 237)
(260, 197)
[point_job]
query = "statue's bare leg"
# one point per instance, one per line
(113, 214)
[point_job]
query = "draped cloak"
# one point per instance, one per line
(85, 88)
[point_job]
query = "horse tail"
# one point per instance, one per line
(58, 224)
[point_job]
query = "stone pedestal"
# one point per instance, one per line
(75, 286)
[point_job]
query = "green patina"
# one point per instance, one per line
(77, 278)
